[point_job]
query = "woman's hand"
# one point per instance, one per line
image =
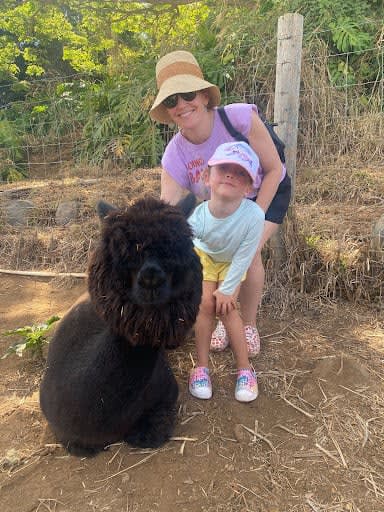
(224, 303)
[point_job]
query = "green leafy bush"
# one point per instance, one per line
(117, 126)
(11, 151)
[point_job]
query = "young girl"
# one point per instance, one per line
(227, 230)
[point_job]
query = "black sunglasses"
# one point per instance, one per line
(171, 101)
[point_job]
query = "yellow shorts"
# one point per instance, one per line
(213, 270)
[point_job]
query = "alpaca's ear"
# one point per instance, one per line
(103, 209)
(187, 204)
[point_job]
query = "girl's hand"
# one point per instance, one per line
(224, 303)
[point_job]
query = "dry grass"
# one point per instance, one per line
(43, 245)
(332, 226)
(336, 124)
(327, 236)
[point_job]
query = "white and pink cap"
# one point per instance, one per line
(239, 153)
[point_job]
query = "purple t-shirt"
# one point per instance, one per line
(185, 162)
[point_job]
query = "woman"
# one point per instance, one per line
(187, 100)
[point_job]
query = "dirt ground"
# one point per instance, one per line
(312, 441)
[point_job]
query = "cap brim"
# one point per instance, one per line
(229, 161)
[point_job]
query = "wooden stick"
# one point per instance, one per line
(128, 468)
(353, 391)
(337, 446)
(312, 505)
(37, 273)
(183, 439)
(11, 473)
(309, 415)
(256, 434)
(319, 447)
(290, 431)
(181, 451)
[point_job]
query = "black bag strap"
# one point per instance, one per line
(279, 144)
(229, 126)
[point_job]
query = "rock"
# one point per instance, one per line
(66, 212)
(89, 181)
(377, 241)
(19, 212)
(16, 193)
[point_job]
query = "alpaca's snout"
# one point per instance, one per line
(151, 285)
(151, 276)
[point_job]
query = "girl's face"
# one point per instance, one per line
(229, 180)
(189, 114)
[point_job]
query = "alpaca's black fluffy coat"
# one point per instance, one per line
(107, 377)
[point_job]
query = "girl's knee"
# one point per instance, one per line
(207, 306)
(229, 317)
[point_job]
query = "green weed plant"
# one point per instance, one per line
(32, 338)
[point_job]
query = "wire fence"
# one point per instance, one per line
(341, 123)
(340, 115)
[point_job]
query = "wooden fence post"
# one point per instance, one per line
(286, 104)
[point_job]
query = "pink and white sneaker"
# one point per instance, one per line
(253, 340)
(200, 383)
(219, 339)
(246, 385)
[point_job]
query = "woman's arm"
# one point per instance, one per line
(262, 144)
(171, 191)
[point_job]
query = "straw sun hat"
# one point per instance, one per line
(179, 72)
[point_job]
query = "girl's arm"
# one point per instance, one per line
(244, 255)
(225, 303)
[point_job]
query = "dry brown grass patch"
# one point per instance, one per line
(327, 236)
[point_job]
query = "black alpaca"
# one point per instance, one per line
(107, 377)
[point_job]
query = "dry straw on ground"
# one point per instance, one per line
(327, 236)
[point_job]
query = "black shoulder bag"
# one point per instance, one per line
(239, 136)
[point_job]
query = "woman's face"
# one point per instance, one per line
(189, 114)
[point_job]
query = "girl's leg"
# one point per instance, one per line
(250, 295)
(246, 382)
(199, 380)
(235, 329)
(205, 323)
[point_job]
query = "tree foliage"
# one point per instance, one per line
(44, 37)
(103, 37)
(347, 27)
(89, 65)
